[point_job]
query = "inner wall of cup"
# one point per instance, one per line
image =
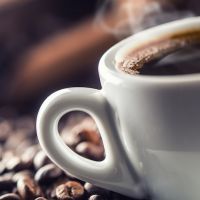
(118, 51)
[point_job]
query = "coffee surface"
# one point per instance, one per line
(177, 54)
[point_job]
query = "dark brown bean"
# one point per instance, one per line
(25, 144)
(84, 131)
(47, 174)
(91, 133)
(94, 190)
(76, 136)
(28, 188)
(70, 140)
(22, 174)
(91, 151)
(40, 160)
(18, 152)
(13, 164)
(9, 196)
(29, 154)
(16, 164)
(69, 191)
(51, 189)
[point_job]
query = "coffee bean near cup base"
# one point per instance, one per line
(26, 173)
(170, 55)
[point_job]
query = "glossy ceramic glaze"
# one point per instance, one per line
(149, 125)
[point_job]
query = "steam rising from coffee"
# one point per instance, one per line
(131, 16)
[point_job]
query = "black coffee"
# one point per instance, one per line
(177, 54)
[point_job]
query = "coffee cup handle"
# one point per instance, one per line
(113, 172)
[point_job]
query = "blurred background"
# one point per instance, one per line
(46, 45)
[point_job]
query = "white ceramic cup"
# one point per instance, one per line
(150, 127)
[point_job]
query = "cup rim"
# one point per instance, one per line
(111, 73)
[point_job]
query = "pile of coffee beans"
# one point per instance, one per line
(26, 173)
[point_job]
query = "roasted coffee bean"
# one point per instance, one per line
(90, 136)
(69, 139)
(51, 189)
(25, 144)
(19, 150)
(22, 174)
(78, 134)
(90, 151)
(28, 188)
(69, 191)
(6, 182)
(13, 164)
(89, 123)
(92, 189)
(29, 154)
(47, 174)
(86, 130)
(40, 160)
(10, 196)
(90, 130)
(16, 164)
(97, 197)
